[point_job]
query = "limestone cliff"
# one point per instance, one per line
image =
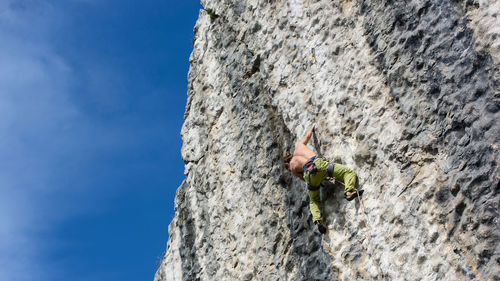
(404, 92)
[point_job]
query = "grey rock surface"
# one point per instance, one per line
(404, 92)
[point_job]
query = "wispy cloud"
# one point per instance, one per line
(32, 80)
(43, 136)
(90, 113)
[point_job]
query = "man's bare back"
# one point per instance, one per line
(301, 155)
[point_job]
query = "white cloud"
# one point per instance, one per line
(46, 136)
(36, 119)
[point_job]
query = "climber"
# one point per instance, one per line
(305, 164)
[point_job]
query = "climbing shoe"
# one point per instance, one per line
(354, 194)
(321, 227)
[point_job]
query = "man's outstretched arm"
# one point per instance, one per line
(307, 136)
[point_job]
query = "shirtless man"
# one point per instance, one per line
(305, 164)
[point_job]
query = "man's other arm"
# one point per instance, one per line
(308, 135)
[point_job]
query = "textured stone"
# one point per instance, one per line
(404, 92)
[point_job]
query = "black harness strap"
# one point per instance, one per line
(330, 170)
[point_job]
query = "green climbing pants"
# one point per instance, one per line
(340, 172)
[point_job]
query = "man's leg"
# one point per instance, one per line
(347, 175)
(314, 204)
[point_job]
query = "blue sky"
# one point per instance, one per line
(92, 97)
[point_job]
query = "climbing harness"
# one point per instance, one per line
(311, 168)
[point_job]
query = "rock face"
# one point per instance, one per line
(404, 92)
